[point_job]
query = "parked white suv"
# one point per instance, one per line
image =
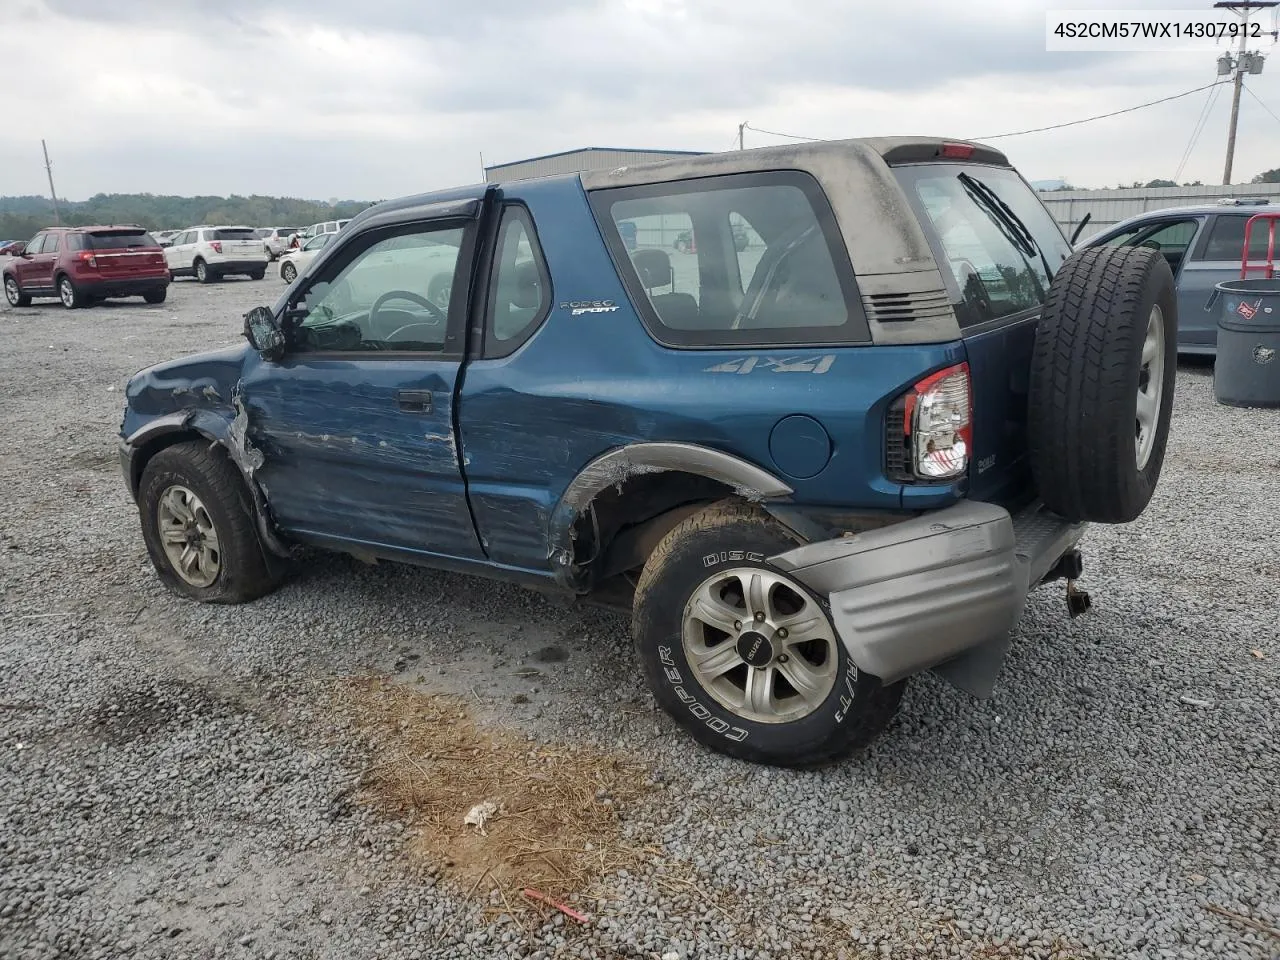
(275, 240)
(316, 229)
(210, 253)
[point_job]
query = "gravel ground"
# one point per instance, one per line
(175, 780)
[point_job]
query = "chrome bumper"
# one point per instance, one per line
(934, 588)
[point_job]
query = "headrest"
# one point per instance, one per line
(528, 285)
(654, 267)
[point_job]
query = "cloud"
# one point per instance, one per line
(334, 98)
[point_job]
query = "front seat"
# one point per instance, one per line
(677, 310)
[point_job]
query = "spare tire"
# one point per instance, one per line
(1102, 376)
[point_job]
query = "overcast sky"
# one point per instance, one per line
(370, 99)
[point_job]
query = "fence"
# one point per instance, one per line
(1111, 206)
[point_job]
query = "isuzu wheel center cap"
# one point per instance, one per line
(755, 649)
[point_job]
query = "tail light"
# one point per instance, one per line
(935, 418)
(89, 258)
(217, 245)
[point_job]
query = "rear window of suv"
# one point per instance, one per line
(233, 234)
(996, 244)
(117, 240)
(753, 259)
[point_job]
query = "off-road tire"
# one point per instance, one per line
(735, 534)
(156, 296)
(207, 471)
(13, 293)
(1085, 379)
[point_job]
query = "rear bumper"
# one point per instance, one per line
(120, 287)
(926, 591)
(238, 266)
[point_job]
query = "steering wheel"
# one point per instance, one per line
(421, 301)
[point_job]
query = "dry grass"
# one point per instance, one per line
(557, 828)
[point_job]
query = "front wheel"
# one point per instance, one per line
(198, 526)
(288, 273)
(14, 294)
(744, 656)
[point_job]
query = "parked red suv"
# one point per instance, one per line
(81, 264)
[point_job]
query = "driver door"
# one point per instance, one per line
(355, 423)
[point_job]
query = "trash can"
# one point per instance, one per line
(1247, 371)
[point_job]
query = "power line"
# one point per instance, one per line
(1102, 116)
(1019, 133)
(774, 133)
(1260, 103)
(1196, 131)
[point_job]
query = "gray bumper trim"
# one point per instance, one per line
(908, 597)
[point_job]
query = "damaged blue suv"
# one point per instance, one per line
(830, 439)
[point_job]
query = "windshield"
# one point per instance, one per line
(119, 240)
(988, 227)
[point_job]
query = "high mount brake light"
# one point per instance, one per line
(956, 151)
(938, 425)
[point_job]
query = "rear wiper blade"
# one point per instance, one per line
(1023, 236)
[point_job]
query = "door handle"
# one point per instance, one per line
(414, 401)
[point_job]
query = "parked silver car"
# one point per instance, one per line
(1203, 245)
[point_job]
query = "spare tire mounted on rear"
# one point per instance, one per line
(1102, 377)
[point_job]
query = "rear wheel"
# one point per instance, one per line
(199, 528)
(203, 273)
(745, 657)
(1102, 383)
(71, 297)
(14, 295)
(156, 296)
(258, 274)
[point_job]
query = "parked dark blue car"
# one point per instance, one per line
(810, 466)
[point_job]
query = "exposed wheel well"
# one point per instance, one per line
(144, 453)
(622, 525)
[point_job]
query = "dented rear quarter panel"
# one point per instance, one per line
(586, 384)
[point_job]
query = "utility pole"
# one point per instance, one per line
(741, 127)
(53, 194)
(1243, 61)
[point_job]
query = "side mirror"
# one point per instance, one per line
(263, 332)
(18, 250)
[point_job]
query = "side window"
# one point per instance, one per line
(393, 295)
(1226, 240)
(1170, 238)
(51, 242)
(36, 244)
(1123, 239)
(519, 294)
(752, 259)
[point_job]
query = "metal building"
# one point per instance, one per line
(1111, 206)
(576, 161)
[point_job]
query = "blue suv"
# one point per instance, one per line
(810, 465)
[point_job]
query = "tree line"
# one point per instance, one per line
(23, 217)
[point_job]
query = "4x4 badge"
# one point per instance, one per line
(820, 364)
